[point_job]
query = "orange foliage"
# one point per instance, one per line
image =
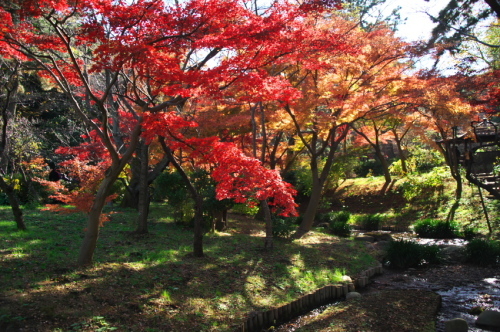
(88, 177)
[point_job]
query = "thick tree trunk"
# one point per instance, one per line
(319, 180)
(143, 204)
(14, 204)
(268, 242)
(311, 210)
(86, 255)
(8, 109)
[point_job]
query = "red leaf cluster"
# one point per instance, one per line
(245, 180)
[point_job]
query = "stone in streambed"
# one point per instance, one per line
(489, 319)
(456, 325)
(380, 236)
(352, 296)
(346, 279)
(365, 238)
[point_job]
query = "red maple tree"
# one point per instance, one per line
(121, 60)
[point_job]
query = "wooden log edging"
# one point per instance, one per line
(257, 321)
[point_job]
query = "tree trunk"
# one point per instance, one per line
(319, 181)
(311, 210)
(452, 156)
(198, 227)
(8, 110)
(86, 255)
(220, 220)
(268, 242)
(14, 204)
(143, 204)
(132, 192)
(458, 197)
(402, 156)
(198, 201)
(131, 197)
(385, 168)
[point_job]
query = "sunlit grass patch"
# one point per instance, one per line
(163, 256)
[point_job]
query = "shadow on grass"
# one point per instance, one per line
(152, 282)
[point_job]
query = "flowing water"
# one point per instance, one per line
(462, 288)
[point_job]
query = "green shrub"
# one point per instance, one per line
(369, 167)
(438, 229)
(370, 222)
(396, 168)
(338, 222)
(403, 254)
(469, 232)
(301, 179)
(340, 228)
(341, 216)
(245, 209)
(323, 217)
(422, 159)
(283, 227)
(4, 200)
(482, 252)
(431, 254)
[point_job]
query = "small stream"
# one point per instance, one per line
(462, 288)
(458, 301)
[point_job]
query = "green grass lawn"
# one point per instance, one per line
(152, 282)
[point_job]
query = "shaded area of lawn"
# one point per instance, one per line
(152, 282)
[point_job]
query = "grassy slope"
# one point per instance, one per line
(361, 196)
(152, 283)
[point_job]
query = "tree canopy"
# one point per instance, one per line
(235, 89)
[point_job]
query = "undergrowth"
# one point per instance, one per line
(483, 252)
(437, 229)
(402, 254)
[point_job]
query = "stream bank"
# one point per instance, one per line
(464, 290)
(408, 301)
